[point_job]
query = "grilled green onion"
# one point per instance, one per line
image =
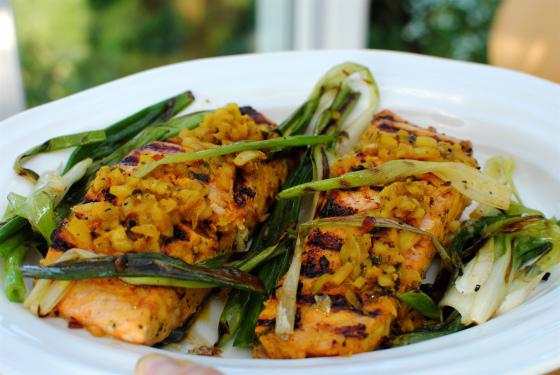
(10, 227)
(55, 144)
(473, 233)
(287, 294)
(291, 141)
(254, 260)
(508, 249)
(125, 129)
(422, 303)
(38, 208)
(13, 279)
(8, 245)
(241, 312)
(501, 169)
(233, 313)
(298, 121)
(508, 266)
(153, 133)
(46, 294)
(334, 115)
(147, 269)
(451, 325)
(467, 180)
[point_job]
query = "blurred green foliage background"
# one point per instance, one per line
(456, 29)
(70, 45)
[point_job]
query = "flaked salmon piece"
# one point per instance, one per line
(355, 315)
(142, 315)
(193, 211)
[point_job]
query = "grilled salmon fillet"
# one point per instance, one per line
(349, 277)
(193, 211)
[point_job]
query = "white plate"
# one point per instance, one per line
(502, 112)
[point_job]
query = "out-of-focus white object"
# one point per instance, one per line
(11, 88)
(274, 26)
(525, 37)
(311, 24)
(330, 24)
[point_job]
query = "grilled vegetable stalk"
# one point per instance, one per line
(99, 143)
(13, 280)
(511, 262)
(54, 144)
(122, 131)
(338, 117)
(50, 189)
(467, 180)
(147, 269)
(192, 211)
(11, 227)
(284, 142)
(451, 325)
(326, 111)
(349, 277)
(240, 314)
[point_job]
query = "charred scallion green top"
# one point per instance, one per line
(469, 181)
(97, 144)
(147, 269)
(124, 130)
(281, 142)
(39, 207)
(55, 144)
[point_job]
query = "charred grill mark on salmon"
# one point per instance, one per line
(315, 266)
(324, 240)
(258, 117)
(59, 242)
(388, 127)
(241, 192)
(357, 331)
(131, 160)
(201, 176)
(269, 323)
(333, 208)
(107, 196)
(178, 235)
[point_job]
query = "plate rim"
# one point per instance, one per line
(545, 85)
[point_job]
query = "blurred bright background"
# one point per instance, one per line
(63, 46)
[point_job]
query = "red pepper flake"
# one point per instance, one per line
(368, 224)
